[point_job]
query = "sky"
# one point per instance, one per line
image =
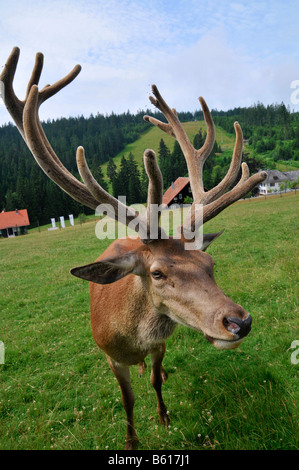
(233, 53)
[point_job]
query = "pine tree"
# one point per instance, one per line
(112, 175)
(98, 174)
(11, 201)
(198, 140)
(179, 167)
(134, 189)
(121, 184)
(111, 170)
(285, 118)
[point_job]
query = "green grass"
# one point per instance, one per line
(57, 391)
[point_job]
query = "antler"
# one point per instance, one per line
(91, 194)
(216, 199)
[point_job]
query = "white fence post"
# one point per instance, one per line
(62, 222)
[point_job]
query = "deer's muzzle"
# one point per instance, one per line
(238, 326)
(239, 329)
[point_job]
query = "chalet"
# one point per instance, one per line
(177, 192)
(275, 178)
(13, 223)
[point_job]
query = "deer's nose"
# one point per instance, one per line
(237, 326)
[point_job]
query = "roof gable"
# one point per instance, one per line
(17, 218)
(175, 189)
(276, 176)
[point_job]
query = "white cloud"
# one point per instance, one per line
(233, 54)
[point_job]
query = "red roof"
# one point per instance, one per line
(17, 218)
(175, 189)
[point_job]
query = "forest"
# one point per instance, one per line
(272, 133)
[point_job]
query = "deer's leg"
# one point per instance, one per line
(141, 366)
(158, 376)
(122, 373)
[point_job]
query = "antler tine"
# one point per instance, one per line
(155, 187)
(244, 175)
(13, 104)
(162, 125)
(48, 160)
(233, 170)
(36, 72)
(203, 153)
(155, 193)
(51, 90)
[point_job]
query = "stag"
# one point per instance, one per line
(141, 288)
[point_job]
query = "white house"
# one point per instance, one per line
(275, 178)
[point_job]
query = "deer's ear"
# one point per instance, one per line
(208, 238)
(111, 269)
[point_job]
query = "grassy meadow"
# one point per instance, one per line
(56, 388)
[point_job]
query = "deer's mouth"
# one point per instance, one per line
(224, 344)
(238, 327)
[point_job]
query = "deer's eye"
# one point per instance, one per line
(157, 274)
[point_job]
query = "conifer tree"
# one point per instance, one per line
(179, 167)
(98, 174)
(134, 189)
(112, 175)
(198, 140)
(121, 186)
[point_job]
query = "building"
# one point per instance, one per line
(13, 223)
(177, 192)
(272, 184)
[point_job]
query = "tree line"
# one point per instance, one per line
(272, 128)
(23, 185)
